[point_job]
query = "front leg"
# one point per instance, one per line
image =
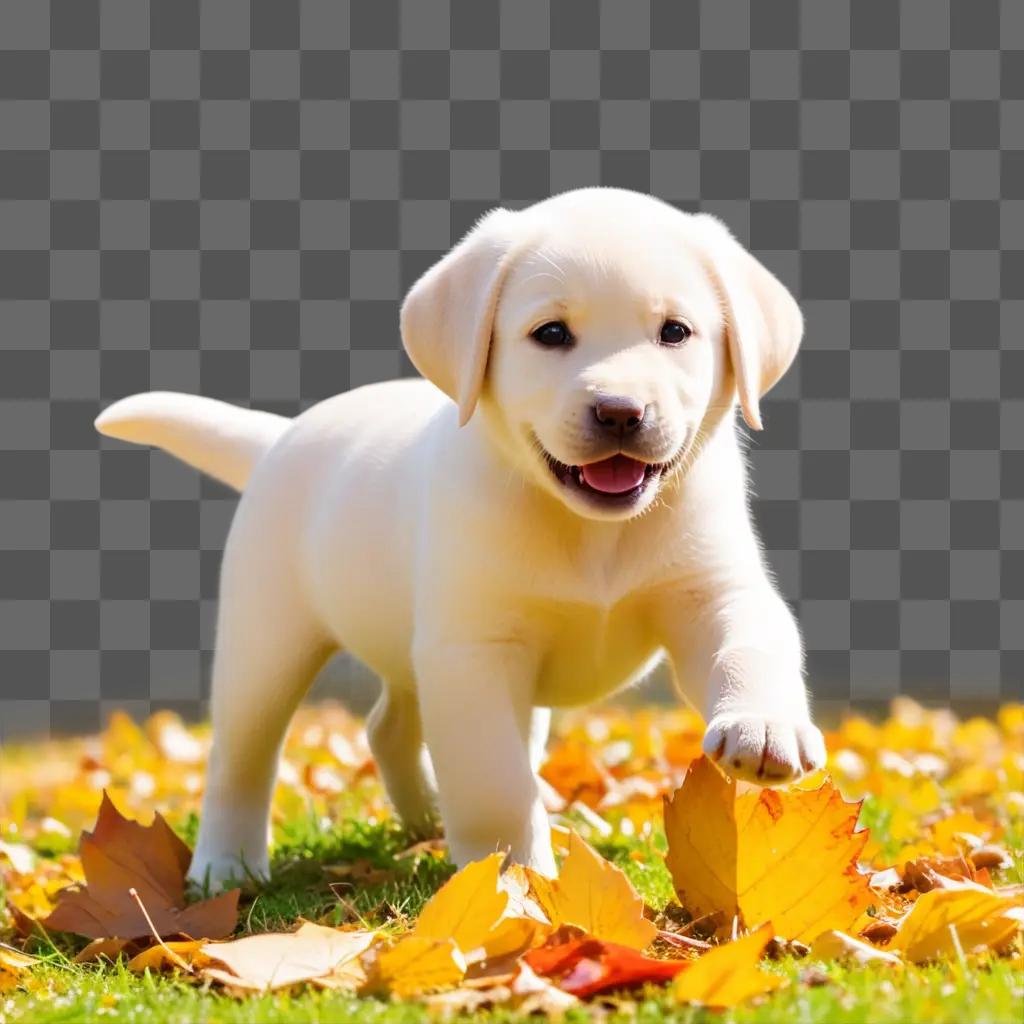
(740, 661)
(476, 702)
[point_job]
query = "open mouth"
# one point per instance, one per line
(619, 480)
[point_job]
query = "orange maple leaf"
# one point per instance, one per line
(120, 855)
(785, 856)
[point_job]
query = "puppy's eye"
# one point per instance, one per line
(673, 332)
(553, 334)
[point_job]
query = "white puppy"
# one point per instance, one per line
(561, 502)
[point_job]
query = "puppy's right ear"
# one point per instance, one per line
(448, 316)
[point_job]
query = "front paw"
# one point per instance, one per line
(767, 751)
(213, 873)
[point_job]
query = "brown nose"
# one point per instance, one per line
(618, 413)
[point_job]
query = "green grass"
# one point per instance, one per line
(86, 996)
(62, 992)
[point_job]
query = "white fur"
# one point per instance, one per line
(453, 562)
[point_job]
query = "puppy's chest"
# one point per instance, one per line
(590, 651)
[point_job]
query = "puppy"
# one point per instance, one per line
(558, 505)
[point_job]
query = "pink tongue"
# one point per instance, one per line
(616, 475)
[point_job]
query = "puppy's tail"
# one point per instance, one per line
(222, 440)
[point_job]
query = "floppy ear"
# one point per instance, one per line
(448, 316)
(764, 324)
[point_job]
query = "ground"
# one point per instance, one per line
(341, 858)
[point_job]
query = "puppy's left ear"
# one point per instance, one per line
(763, 321)
(448, 316)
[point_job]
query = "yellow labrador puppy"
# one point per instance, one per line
(559, 504)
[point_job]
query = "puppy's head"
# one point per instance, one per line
(604, 333)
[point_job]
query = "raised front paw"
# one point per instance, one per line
(767, 751)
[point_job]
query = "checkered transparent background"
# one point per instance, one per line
(231, 197)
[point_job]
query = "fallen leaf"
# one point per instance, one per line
(162, 956)
(593, 894)
(13, 963)
(728, 974)
(521, 990)
(786, 856)
(537, 995)
(467, 907)
(585, 966)
(360, 872)
(347, 977)
(277, 960)
(834, 945)
(466, 1000)
(433, 848)
(885, 880)
(879, 930)
(780, 947)
(21, 857)
(109, 948)
(167, 732)
(675, 940)
(958, 912)
(23, 923)
(927, 873)
(119, 855)
(518, 883)
(575, 774)
(416, 965)
(989, 857)
(510, 937)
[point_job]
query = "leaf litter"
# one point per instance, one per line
(755, 872)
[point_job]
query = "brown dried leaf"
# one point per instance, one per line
(119, 855)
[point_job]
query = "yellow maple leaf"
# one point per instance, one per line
(789, 857)
(961, 913)
(593, 894)
(467, 907)
(728, 974)
(416, 965)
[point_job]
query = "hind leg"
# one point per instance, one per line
(396, 739)
(268, 651)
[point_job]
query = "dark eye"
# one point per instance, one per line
(552, 334)
(674, 333)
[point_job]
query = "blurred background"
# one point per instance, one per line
(231, 197)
